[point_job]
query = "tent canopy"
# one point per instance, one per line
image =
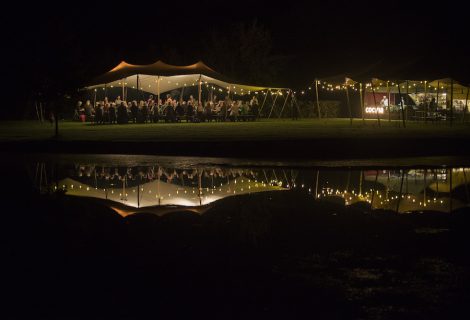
(161, 77)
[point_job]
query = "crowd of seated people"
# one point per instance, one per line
(167, 110)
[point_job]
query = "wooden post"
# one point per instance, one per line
(138, 193)
(361, 103)
(465, 106)
(349, 106)
(158, 186)
(425, 102)
(401, 189)
(388, 106)
(373, 189)
(450, 190)
(407, 96)
(402, 107)
(375, 104)
(318, 101)
(199, 184)
(451, 101)
(316, 184)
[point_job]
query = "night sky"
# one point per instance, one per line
(52, 45)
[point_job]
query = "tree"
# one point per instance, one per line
(243, 52)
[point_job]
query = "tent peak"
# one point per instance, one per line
(121, 65)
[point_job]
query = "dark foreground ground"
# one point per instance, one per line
(258, 256)
(275, 138)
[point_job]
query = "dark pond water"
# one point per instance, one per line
(131, 184)
(119, 236)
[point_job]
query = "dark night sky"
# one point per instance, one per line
(314, 39)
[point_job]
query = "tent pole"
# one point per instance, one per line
(401, 190)
(361, 103)
(375, 104)
(262, 105)
(158, 92)
(138, 88)
(402, 107)
(451, 101)
(349, 106)
(450, 187)
(199, 90)
(94, 100)
(407, 96)
(437, 98)
(123, 89)
(274, 103)
(181, 95)
(465, 106)
(285, 101)
(318, 101)
(425, 102)
(373, 189)
(316, 184)
(388, 106)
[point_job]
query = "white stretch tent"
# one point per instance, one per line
(160, 77)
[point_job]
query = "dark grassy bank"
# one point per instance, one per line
(308, 138)
(252, 256)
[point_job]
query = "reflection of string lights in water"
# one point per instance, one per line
(441, 189)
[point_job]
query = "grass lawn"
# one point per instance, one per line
(263, 130)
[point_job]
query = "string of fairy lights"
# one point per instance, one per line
(406, 86)
(383, 86)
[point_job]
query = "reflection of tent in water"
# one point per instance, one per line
(417, 190)
(163, 193)
(416, 181)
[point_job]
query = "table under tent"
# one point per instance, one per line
(160, 79)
